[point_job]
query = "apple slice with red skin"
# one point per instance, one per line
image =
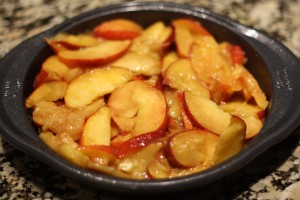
(205, 113)
(49, 91)
(231, 141)
(94, 84)
(190, 148)
(179, 75)
(143, 108)
(118, 29)
(106, 51)
(97, 129)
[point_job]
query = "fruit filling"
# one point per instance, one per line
(154, 102)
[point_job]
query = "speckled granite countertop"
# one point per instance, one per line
(273, 175)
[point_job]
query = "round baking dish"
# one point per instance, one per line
(276, 69)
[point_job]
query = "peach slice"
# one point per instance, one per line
(237, 54)
(206, 113)
(252, 86)
(173, 103)
(168, 59)
(60, 119)
(248, 113)
(145, 54)
(118, 29)
(50, 139)
(155, 80)
(158, 82)
(208, 62)
(231, 141)
(56, 46)
(136, 164)
(184, 41)
(49, 91)
(190, 148)
(57, 70)
(180, 75)
(94, 84)
(41, 78)
(105, 52)
(147, 64)
(97, 129)
(138, 142)
(186, 121)
(100, 154)
(66, 147)
(94, 157)
(159, 167)
(143, 108)
(212, 64)
(155, 38)
(253, 124)
(180, 172)
(72, 42)
(120, 138)
(193, 26)
(174, 110)
(158, 170)
(185, 31)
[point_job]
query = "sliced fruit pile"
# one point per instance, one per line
(156, 102)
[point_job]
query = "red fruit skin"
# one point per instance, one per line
(138, 142)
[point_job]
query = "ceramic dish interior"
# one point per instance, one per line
(273, 65)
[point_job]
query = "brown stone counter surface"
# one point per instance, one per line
(273, 175)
